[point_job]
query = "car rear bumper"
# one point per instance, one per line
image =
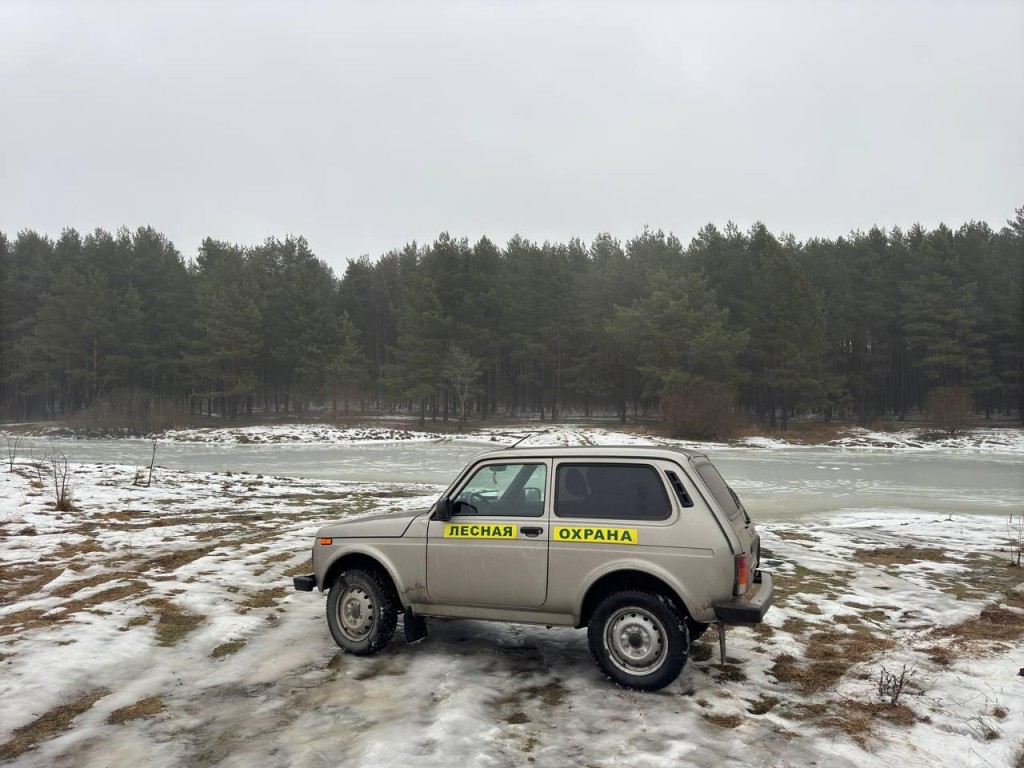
(305, 583)
(751, 607)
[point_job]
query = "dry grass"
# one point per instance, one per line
(794, 536)
(796, 625)
(995, 623)
(69, 549)
(71, 587)
(140, 710)
(173, 623)
(763, 705)
(19, 581)
(175, 560)
(266, 598)
(48, 725)
(16, 621)
(300, 570)
(724, 721)
(859, 719)
(829, 655)
(228, 648)
(900, 555)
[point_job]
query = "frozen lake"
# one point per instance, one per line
(776, 483)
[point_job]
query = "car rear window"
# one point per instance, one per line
(719, 488)
(611, 491)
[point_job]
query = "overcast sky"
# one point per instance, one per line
(363, 126)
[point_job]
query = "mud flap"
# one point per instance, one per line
(415, 626)
(721, 642)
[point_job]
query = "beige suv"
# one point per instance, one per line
(644, 546)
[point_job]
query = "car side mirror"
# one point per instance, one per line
(445, 508)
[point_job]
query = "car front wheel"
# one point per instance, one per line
(638, 640)
(361, 612)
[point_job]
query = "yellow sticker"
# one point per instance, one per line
(476, 531)
(589, 535)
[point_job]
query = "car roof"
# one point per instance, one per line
(592, 452)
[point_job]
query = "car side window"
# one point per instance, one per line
(612, 491)
(724, 495)
(506, 490)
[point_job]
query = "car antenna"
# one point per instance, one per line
(526, 437)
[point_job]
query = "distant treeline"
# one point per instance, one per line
(864, 326)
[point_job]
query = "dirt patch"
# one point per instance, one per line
(550, 695)
(140, 710)
(48, 725)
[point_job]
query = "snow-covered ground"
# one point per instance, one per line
(993, 439)
(156, 626)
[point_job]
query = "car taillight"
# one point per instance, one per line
(742, 581)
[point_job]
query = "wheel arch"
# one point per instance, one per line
(626, 579)
(363, 561)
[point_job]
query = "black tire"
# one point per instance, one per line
(639, 640)
(361, 612)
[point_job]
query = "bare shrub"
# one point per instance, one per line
(948, 408)
(61, 471)
(891, 686)
(12, 450)
(1015, 537)
(705, 411)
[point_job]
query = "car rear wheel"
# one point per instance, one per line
(361, 612)
(638, 640)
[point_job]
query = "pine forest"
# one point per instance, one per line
(736, 326)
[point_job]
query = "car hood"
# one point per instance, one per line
(389, 525)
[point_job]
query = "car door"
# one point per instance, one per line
(613, 513)
(494, 550)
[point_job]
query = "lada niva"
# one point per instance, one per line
(643, 546)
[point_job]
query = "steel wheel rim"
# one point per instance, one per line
(355, 613)
(636, 641)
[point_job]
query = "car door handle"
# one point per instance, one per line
(533, 531)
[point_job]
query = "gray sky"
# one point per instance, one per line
(364, 125)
